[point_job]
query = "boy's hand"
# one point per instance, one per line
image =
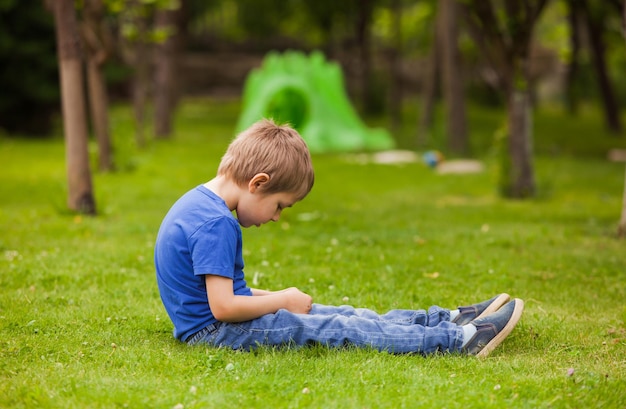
(297, 301)
(229, 307)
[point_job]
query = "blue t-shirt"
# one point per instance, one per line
(198, 236)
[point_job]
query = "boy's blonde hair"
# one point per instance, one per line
(277, 150)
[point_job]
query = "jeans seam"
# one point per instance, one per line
(209, 329)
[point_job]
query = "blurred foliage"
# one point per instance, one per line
(417, 26)
(29, 79)
(28, 68)
(131, 13)
(263, 17)
(553, 33)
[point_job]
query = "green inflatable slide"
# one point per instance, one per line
(308, 93)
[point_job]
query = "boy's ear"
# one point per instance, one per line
(258, 181)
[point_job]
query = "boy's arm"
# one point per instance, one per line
(228, 307)
(256, 291)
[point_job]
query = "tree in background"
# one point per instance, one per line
(98, 43)
(330, 17)
(363, 35)
(572, 91)
(445, 70)
(453, 82)
(135, 20)
(395, 66)
(169, 25)
(621, 230)
(590, 25)
(596, 16)
(504, 33)
(150, 39)
(80, 195)
(430, 82)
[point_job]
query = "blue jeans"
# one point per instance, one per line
(398, 331)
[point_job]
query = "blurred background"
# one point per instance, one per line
(400, 60)
(391, 51)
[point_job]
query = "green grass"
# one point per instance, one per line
(81, 324)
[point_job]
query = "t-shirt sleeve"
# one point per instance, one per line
(213, 248)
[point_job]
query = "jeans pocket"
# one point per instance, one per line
(203, 334)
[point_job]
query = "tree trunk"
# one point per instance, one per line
(571, 87)
(507, 45)
(621, 230)
(98, 102)
(595, 30)
(136, 53)
(521, 182)
(98, 42)
(453, 78)
(166, 58)
(395, 67)
(80, 195)
(363, 26)
(140, 82)
(429, 90)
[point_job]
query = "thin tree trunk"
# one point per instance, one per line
(507, 47)
(521, 175)
(595, 31)
(80, 194)
(429, 91)
(395, 63)
(166, 56)
(98, 42)
(363, 24)
(98, 102)
(140, 85)
(571, 91)
(453, 78)
(136, 52)
(621, 230)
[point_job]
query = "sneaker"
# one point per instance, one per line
(472, 312)
(492, 329)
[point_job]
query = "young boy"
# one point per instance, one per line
(199, 265)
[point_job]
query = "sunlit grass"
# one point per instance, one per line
(81, 324)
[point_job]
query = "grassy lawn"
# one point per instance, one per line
(81, 323)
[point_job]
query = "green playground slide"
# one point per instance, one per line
(308, 93)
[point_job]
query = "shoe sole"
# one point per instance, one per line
(497, 340)
(495, 305)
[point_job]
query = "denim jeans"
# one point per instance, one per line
(397, 331)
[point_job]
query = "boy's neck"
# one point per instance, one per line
(226, 189)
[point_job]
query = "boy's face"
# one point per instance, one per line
(257, 208)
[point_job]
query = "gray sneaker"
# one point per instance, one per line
(472, 312)
(492, 329)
